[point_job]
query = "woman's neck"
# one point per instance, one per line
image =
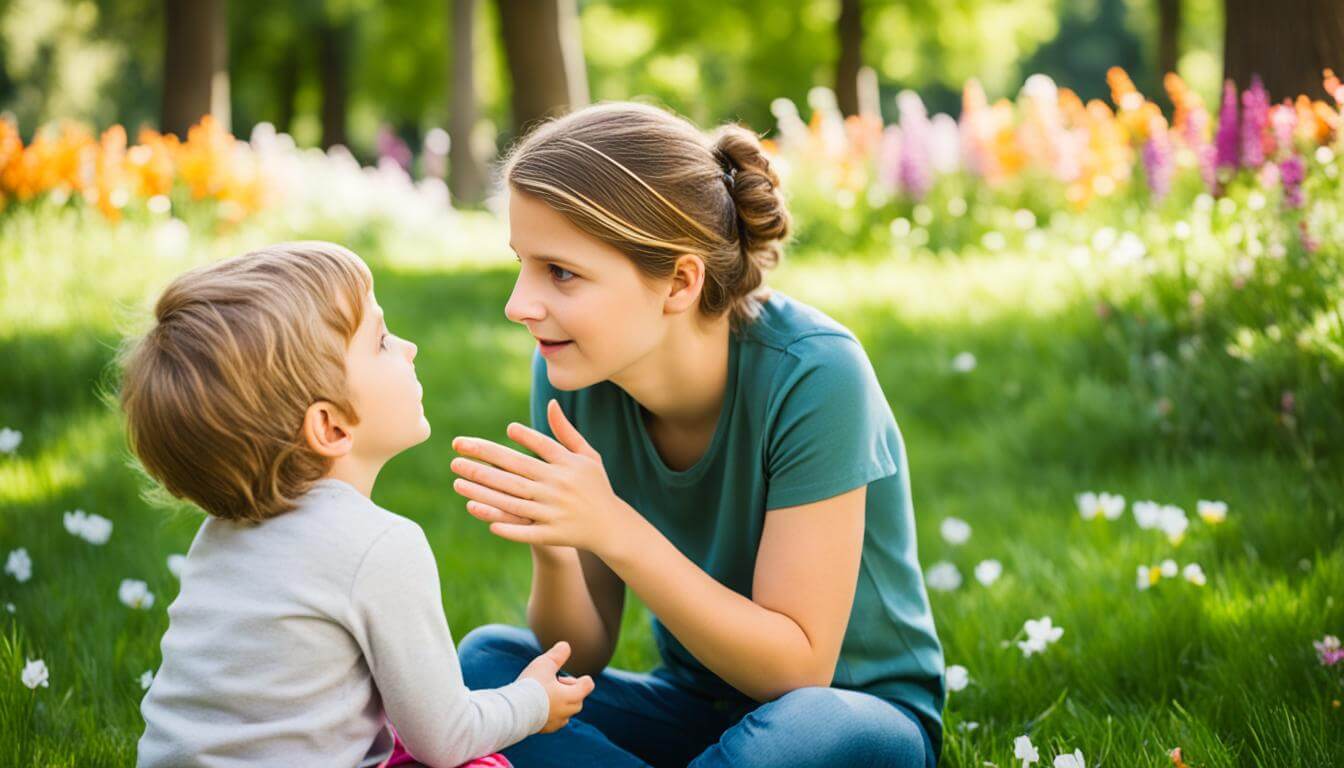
(682, 381)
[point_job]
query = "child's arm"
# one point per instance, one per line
(397, 618)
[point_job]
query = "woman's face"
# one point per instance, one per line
(592, 313)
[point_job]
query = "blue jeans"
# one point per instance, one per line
(649, 720)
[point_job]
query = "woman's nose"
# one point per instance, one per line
(521, 307)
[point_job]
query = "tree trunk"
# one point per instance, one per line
(1287, 44)
(466, 176)
(287, 90)
(850, 32)
(195, 64)
(333, 47)
(545, 54)
(1168, 36)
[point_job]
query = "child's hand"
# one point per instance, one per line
(566, 694)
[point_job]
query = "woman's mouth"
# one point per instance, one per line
(550, 347)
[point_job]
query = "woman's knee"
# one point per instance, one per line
(494, 654)
(818, 725)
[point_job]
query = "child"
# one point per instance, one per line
(270, 393)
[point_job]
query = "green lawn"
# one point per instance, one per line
(1225, 671)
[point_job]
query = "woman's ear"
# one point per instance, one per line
(688, 281)
(325, 430)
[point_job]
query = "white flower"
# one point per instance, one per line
(35, 673)
(19, 565)
(1195, 575)
(1040, 634)
(1169, 568)
(1147, 514)
(1173, 522)
(94, 529)
(988, 571)
(10, 607)
(135, 594)
(955, 530)
(967, 726)
(146, 679)
(1025, 751)
(176, 563)
(1148, 576)
(963, 362)
(943, 576)
(9, 440)
(957, 678)
(1212, 512)
(1071, 761)
(1108, 505)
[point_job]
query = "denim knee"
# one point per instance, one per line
(817, 726)
(493, 655)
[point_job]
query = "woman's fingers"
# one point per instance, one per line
(523, 534)
(565, 432)
(548, 449)
(489, 514)
(500, 456)
(498, 479)
(500, 501)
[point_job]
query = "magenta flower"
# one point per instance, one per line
(915, 170)
(1157, 164)
(1227, 139)
(1291, 173)
(1328, 650)
(1254, 119)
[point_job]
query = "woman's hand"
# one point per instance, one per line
(561, 498)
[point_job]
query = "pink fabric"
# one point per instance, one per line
(401, 757)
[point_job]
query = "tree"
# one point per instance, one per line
(545, 58)
(333, 48)
(195, 64)
(466, 176)
(850, 31)
(1287, 44)
(1168, 36)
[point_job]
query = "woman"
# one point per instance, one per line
(725, 453)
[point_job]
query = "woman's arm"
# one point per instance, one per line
(786, 636)
(577, 598)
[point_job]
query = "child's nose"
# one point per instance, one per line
(411, 350)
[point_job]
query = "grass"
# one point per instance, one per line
(1226, 672)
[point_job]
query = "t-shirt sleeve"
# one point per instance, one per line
(397, 618)
(830, 430)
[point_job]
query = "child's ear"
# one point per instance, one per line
(325, 432)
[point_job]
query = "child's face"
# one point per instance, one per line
(581, 292)
(380, 373)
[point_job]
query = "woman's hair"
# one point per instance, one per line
(655, 187)
(216, 393)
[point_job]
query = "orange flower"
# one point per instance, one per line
(150, 162)
(1334, 87)
(111, 186)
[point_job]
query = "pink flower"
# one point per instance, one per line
(1254, 120)
(1328, 650)
(1228, 139)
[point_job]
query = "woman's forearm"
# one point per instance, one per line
(760, 652)
(560, 607)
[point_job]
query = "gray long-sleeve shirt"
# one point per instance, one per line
(293, 642)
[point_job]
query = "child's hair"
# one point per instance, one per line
(655, 187)
(216, 393)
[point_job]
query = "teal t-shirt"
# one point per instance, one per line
(803, 419)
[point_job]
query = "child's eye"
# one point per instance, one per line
(560, 273)
(382, 342)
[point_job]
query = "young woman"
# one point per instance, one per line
(725, 453)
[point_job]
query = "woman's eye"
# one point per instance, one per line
(560, 273)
